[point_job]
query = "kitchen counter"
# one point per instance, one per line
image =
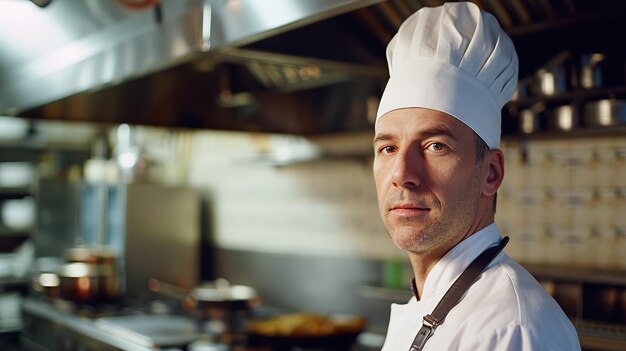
(48, 328)
(51, 327)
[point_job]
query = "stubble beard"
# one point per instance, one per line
(437, 230)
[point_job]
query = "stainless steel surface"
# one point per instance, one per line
(99, 61)
(152, 331)
(47, 328)
(57, 208)
(287, 72)
(153, 230)
(73, 47)
(241, 22)
(162, 237)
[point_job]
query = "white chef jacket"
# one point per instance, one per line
(505, 309)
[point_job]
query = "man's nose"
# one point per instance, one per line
(408, 168)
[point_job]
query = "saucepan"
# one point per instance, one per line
(88, 275)
(556, 76)
(87, 283)
(591, 72)
(605, 112)
(533, 119)
(564, 118)
(210, 299)
(601, 70)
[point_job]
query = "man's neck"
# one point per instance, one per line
(422, 263)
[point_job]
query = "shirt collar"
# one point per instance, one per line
(450, 266)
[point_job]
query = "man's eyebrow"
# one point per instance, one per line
(439, 130)
(382, 137)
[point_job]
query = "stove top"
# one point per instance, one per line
(58, 325)
(61, 326)
(155, 331)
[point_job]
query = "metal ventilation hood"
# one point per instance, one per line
(173, 63)
(286, 66)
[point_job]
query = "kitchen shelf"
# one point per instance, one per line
(13, 281)
(564, 98)
(31, 150)
(612, 131)
(7, 193)
(563, 22)
(579, 97)
(21, 150)
(13, 284)
(10, 329)
(8, 232)
(539, 271)
(11, 240)
(577, 274)
(274, 161)
(601, 336)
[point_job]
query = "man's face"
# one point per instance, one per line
(427, 179)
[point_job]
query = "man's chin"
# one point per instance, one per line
(413, 242)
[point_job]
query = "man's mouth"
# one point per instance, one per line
(409, 208)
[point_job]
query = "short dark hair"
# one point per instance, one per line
(481, 148)
(481, 151)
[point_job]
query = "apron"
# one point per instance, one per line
(453, 295)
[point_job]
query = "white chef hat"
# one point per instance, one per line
(455, 59)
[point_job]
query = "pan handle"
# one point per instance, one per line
(167, 289)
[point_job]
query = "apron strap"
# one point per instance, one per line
(454, 294)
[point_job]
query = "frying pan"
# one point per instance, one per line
(209, 298)
(333, 333)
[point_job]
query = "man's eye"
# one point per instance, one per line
(436, 147)
(386, 149)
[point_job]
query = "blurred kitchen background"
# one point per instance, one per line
(173, 172)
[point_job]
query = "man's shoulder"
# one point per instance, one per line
(508, 302)
(511, 287)
(508, 296)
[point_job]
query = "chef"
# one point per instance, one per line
(437, 169)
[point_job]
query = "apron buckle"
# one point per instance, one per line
(431, 321)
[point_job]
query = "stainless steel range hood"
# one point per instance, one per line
(121, 44)
(291, 66)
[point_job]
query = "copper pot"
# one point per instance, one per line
(87, 283)
(89, 275)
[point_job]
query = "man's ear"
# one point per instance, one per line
(495, 172)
